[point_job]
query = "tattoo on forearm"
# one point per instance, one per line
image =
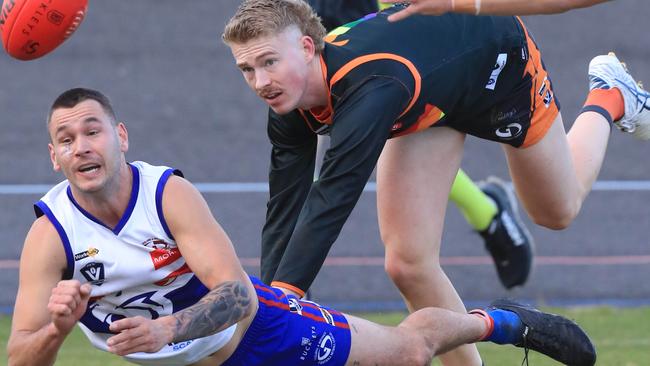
(220, 308)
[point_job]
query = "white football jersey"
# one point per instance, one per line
(135, 268)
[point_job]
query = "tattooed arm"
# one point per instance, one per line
(222, 307)
(209, 253)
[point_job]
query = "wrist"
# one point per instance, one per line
(169, 326)
(466, 6)
(54, 334)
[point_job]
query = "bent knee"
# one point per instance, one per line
(418, 352)
(403, 271)
(556, 218)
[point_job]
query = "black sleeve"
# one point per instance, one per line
(362, 124)
(290, 176)
(334, 13)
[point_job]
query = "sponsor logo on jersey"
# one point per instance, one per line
(548, 98)
(326, 348)
(500, 64)
(164, 257)
(524, 54)
(294, 306)
(542, 88)
(179, 346)
(156, 243)
(511, 131)
(498, 117)
(91, 252)
(306, 343)
(327, 316)
(94, 273)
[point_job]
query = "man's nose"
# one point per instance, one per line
(262, 79)
(81, 146)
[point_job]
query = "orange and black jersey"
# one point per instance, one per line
(473, 74)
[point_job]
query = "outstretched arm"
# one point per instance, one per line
(209, 253)
(488, 7)
(46, 308)
(290, 177)
(358, 136)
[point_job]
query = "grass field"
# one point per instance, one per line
(622, 338)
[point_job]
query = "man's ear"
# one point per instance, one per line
(123, 135)
(55, 166)
(308, 47)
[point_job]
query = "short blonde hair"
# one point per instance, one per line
(262, 18)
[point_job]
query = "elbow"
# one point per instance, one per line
(251, 303)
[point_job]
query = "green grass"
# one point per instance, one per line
(622, 338)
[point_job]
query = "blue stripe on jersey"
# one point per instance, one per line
(159, 192)
(42, 206)
(135, 188)
(187, 295)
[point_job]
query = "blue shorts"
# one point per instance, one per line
(289, 331)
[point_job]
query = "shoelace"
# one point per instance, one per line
(525, 360)
(627, 125)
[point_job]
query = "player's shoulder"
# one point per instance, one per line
(43, 241)
(43, 228)
(43, 235)
(178, 188)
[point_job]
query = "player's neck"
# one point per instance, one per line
(317, 93)
(110, 202)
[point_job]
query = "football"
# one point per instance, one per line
(33, 28)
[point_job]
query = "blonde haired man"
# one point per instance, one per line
(377, 87)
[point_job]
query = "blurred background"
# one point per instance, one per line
(174, 83)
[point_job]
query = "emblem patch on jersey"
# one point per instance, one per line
(156, 243)
(91, 252)
(496, 71)
(94, 273)
(326, 348)
(511, 131)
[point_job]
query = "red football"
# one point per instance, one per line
(33, 28)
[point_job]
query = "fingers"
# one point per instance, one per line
(427, 7)
(126, 323)
(85, 290)
(130, 337)
(402, 14)
(65, 298)
(135, 334)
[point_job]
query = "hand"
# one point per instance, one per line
(68, 302)
(427, 7)
(139, 334)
